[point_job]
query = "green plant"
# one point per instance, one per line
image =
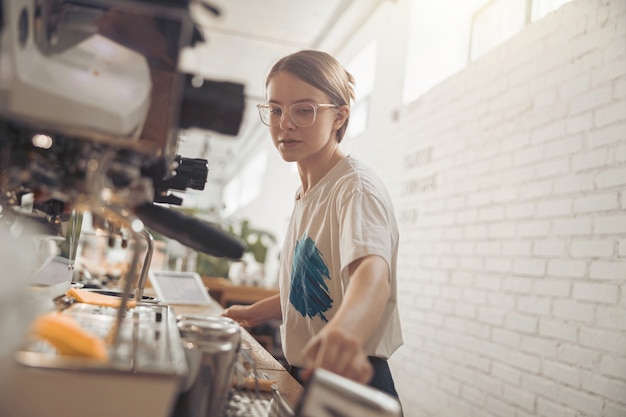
(212, 266)
(257, 241)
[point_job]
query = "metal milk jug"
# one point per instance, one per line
(212, 345)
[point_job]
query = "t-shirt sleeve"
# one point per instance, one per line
(364, 229)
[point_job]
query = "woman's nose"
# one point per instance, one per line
(285, 122)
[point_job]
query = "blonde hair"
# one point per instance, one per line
(323, 72)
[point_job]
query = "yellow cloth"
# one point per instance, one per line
(65, 334)
(90, 297)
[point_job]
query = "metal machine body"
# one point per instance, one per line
(143, 377)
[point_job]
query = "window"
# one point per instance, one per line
(245, 186)
(446, 34)
(363, 68)
(498, 21)
(541, 8)
(438, 43)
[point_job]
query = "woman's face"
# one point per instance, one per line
(295, 143)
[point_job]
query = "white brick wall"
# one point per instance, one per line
(513, 267)
(509, 181)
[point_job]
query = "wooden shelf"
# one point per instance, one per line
(226, 293)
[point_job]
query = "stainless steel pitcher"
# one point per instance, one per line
(212, 344)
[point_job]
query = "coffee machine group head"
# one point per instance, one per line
(92, 101)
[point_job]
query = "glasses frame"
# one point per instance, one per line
(316, 107)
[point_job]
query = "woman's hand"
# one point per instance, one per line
(337, 352)
(241, 314)
(255, 314)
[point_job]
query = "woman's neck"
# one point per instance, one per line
(313, 169)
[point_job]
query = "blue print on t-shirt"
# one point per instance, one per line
(309, 293)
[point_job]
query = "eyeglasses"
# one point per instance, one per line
(301, 114)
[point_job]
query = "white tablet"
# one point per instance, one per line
(55, 270)
(173, 287)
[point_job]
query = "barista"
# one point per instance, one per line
(337, 273)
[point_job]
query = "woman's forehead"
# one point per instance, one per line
(287, 86)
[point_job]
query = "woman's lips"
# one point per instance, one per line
(288, 143)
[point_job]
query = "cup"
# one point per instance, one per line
(212, 345)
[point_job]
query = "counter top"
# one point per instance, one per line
(288, 387)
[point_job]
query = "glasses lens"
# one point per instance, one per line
(302, 114)
(264, 114)
(270, 114)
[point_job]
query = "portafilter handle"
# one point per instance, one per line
(191, 232)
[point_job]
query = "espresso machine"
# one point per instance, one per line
(92, 102)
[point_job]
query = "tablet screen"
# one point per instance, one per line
(174, 287)
(54, 271)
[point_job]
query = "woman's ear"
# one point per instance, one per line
(342, 115)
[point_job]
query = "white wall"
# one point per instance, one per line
(510, 185)
(272, 209)
(513, 265)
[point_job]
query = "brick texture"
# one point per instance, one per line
(513, 262)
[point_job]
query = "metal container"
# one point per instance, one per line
(328, 394)
(212, 345)
(141, 379)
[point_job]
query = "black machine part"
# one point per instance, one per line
(189, 231)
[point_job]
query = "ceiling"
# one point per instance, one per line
(241, 45)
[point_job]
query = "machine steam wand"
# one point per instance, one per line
(136, 228)
(146, 264)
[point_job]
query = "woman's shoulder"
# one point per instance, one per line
(354, 174)
(351, 166)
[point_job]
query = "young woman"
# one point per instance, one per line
(337, 274)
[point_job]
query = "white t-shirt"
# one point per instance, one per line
(344, 217)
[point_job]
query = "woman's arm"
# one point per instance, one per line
(257, 313)
(338, 347)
